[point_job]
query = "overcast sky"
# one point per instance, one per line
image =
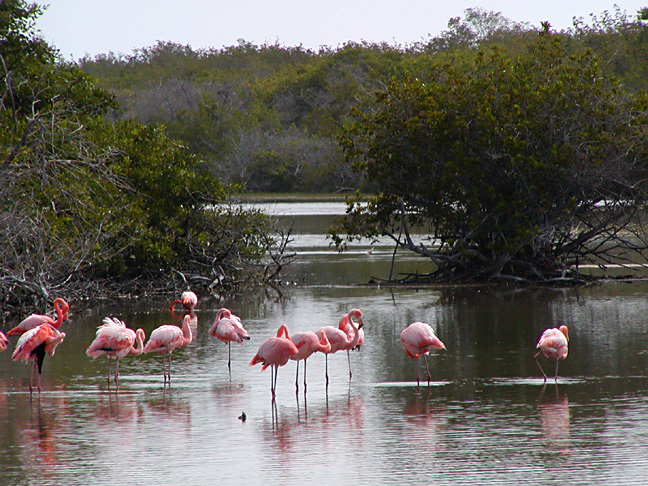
(79, 27)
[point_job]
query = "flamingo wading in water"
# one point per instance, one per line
(167, 338)
(228, 328)
(345, 326)
(419, 339)
(307, 343)
(60, 306)
(188, 299)
(553, 344)
(275, 352)
(34, 344)
(115, 340)
(342, 341)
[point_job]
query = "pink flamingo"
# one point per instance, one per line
(165, 339)
(418, 339)
(33, 345)
(115, 340)
(60, 306)
(307, 344)
(341, 341)
(275, 352)
(228, 328)
(188, 299)
(4, 341)
(553, 344)
(345, 326)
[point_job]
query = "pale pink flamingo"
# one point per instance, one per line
(341, 341)
(228, 328)
(4, 341)
(419, 339)
(188, 299)
(33, 344)
(553, 344)
(275, 352)
(60, 306)
(165, 339)
(307, 343)
(115, 340)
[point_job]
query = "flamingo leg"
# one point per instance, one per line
(535, 356)
(274, 392)
(109, 363)
(31, 376)
(305, 374)
(229, 355)
(418, 381)
(116, 370)
(169, 368)
(327, 379)
(297, 377)
(427, 368)
(349, 360)
(556, 375)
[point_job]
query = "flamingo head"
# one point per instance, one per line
(565, 331)
(357, 314)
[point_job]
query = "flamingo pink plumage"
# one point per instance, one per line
(188, 299)
(4, 341)
(33, 344)
(60, 306)
(275, 352)
(115, 340)
(228, 328)
(345, 326)
(341, 341)
(307, 343)
(419, 339)
(553, 344)
(167, 338)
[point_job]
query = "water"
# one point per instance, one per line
(486, 418)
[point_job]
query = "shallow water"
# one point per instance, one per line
(486, 418)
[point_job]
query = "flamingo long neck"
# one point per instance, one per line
(139, 342)
(186, 329)
(61, 315)
(283, 330)
(356, 334)
(325, 344)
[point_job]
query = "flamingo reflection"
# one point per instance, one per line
(554, 420)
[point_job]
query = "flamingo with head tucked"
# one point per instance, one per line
(419, 339)
(345, 326)
(228, 328)
(167, 338)
(341, 341)
(188, 299)
(307, 343)
(60, 306)
(553, 344)
(34, 344)
(114, 340)
(275, 352)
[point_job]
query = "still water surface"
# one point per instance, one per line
(485, 419)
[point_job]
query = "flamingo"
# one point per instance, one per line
(165, 339)
(188, 299)
(33, 344)
(115, 340)
(4, 341)
(275, 352)
(553, 344)
(341, 341)
(307, 343)
(60, 306)
(418, 339)
(345, 326)
(228, 328)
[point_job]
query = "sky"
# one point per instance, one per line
(80, 27)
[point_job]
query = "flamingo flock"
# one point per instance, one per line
(40, 335)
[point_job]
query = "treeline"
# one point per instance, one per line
(269, 116)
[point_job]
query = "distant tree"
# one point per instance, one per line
(521, 168)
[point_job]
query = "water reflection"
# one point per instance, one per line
(554, 418)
